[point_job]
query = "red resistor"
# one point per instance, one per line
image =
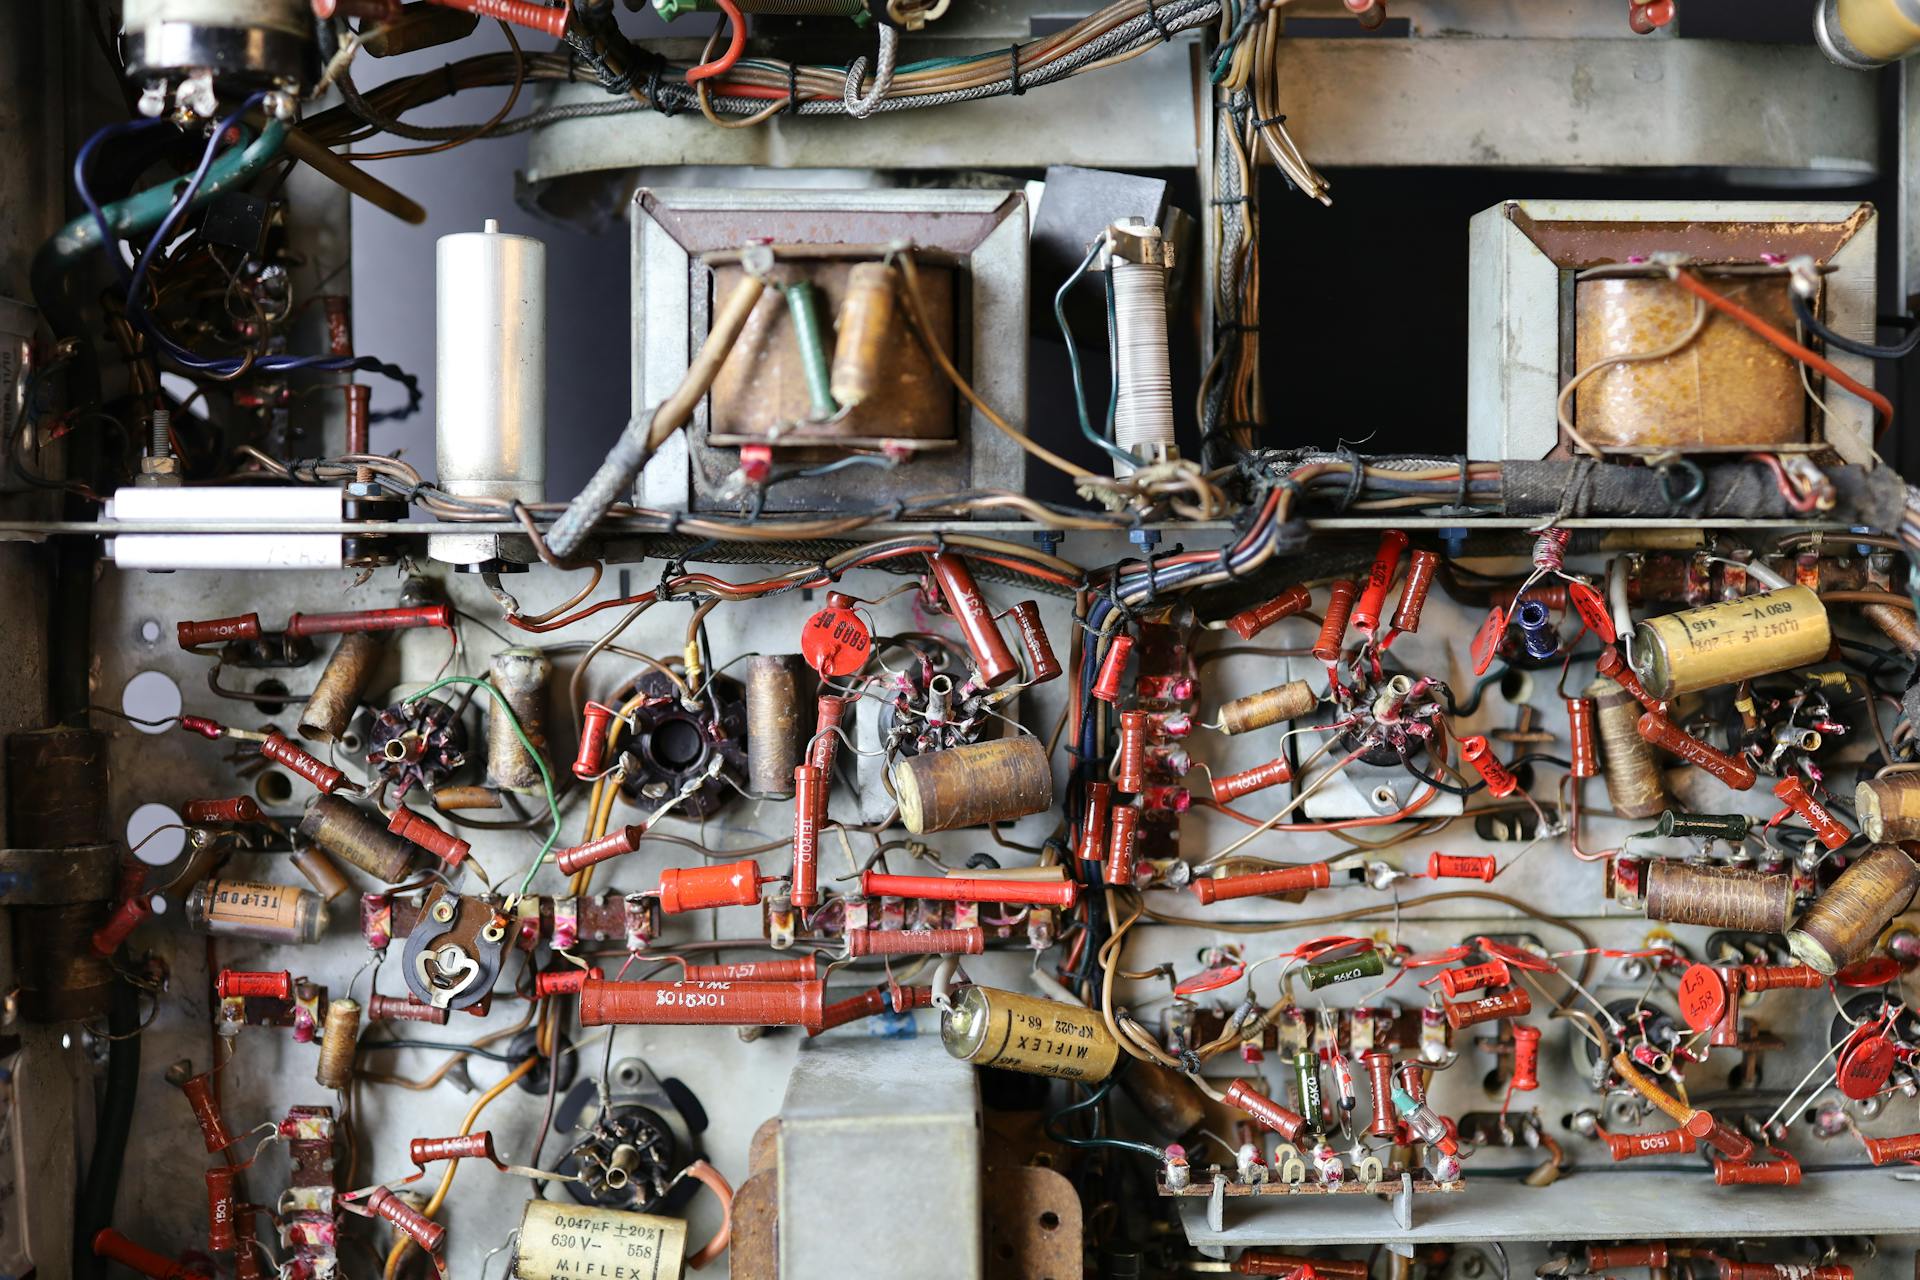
(328, 624)
(1608, 1257)
(1726, 1031)
(1093, 821)
(1475, 977)
(424, 1231)
(741, 1004)
(1130, 772)
(465, 1146)
(915, 942)
(868, 1003)
(591, 759)
(1413, 592)
(551, 21)
(1333, 631)
(1506, 1004)
(1668, 736)
(1379, 1065)
(611, 845)
(1775, 977)
(1888, 1150)
(238, 809)
(111, 1245)
(1830, 830)
(803, 887)
(1033, 639)
(1615, 668)
(731, 884)
(1366, 613)
(1314, 875)
(132, 912)
(1249, 623)
(1526, 1057)
(1267, 1263)
(1580, 751)
(210, 729)
(1783, 1172)
(970, 611)
(206, 1112)
(563, 982)
(828, 712)
(1631, 1146)
(218, 630)
(1106, 683)
(1038, 893)
(1247, 781)
(410, 826)
(802, 969)
(1499, 779)
(323, 776)
(404, 1009)
(1730, 1270)
(1125, 830)
(1288, 1124)
(338, 307)
(220, 1209)
(1462, 866)
(256, 984)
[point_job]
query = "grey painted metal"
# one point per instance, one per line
(1515, 365)
(899, 1119)
(1590, 103)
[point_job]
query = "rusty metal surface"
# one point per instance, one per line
(754, 1252)
(1033, 1225)
(1576, 244)
(1729, 386)
(761, 390)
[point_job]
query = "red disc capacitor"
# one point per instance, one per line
(1249, 623)
(1124, 830)
(1703, 996)
(1592, 609)
(1486, 641)
(1288, 1124)
(743, 1004)
(1333, 628)
(1314, 875)
(835, 642)
(1865, 1066)
(730, 884)
(1874, 971)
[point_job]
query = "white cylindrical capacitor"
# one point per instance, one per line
(1143, 414)
(490, 365)
(561, 1241)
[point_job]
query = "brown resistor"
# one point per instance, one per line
(1042, 665)
(1668, 736)
(206, 1112)
(404, 1009)
(1607, 1257)
(336, 695)
(1718, 897)
(1270, 706)
(776, 735)
(1413, 592)
(972, 785)
(915, 942)
(278, 748)
(1633, 779)
(829, 710)
(866, 333)
(200, 813)
(339, 1036)
(1843, 924)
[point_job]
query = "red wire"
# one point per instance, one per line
(1721, 303)
(736, 45)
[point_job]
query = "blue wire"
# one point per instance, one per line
(80, 164)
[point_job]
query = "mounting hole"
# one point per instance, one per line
(151, 696)
(1516, 686)
(270, 697)
(150, 631)
(1049, 1221)
(155, 835)
(676, 745)
(627, 1073)
(1003, 1251)
(273, 788)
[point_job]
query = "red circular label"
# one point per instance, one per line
(1874, 971)
(1592, 610)
(1864, 1067)
(835, 642)
(1703, 997)
(1486, 641)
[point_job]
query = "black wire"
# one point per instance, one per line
(1803, 310)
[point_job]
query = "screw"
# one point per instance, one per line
(443, 911)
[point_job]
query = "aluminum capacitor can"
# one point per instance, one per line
(992, 1028)
(568, 1241)
(1732, 641)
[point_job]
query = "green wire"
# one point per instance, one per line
(546, 776)
(1073, 359)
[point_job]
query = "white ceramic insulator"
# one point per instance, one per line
(1143, 419)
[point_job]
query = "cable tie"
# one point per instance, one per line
(1356, 480)
(1270, 121)
(1013, 56)
(793, 90)
(1461, 458)
(1153, 16)
(1244, 199)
